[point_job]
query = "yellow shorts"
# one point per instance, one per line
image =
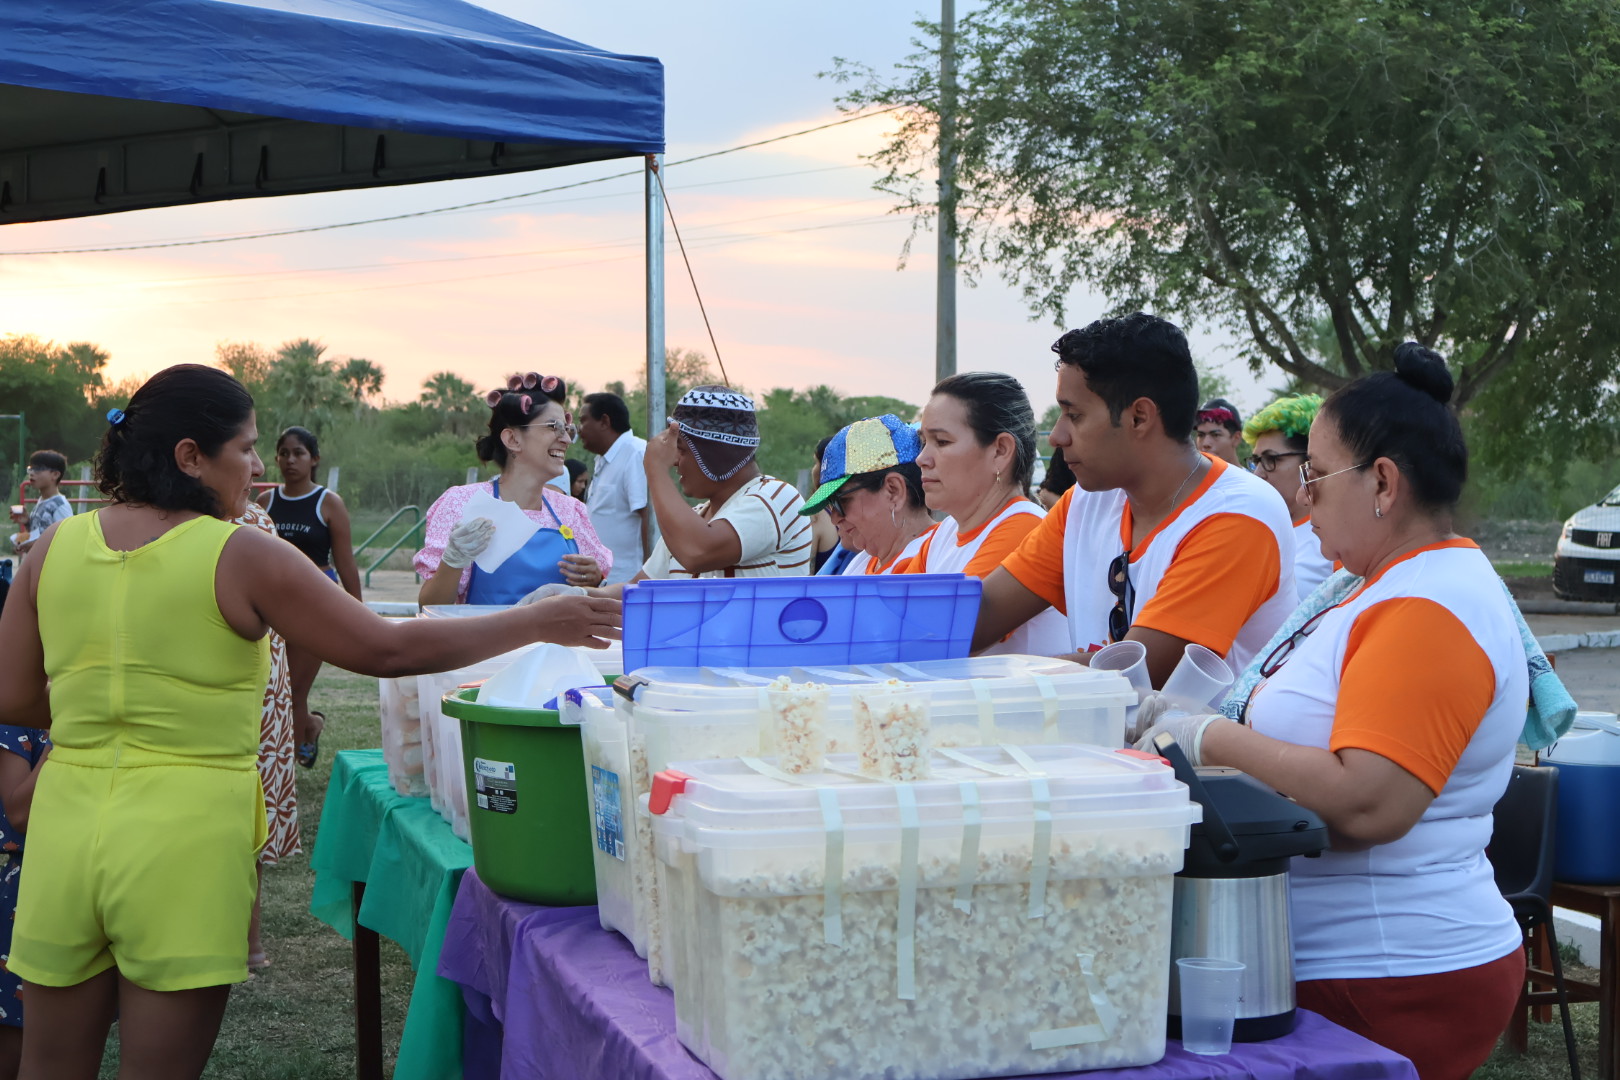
(147, 867)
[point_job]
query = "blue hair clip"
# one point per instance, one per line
(115, 417)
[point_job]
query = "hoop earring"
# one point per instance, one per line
(893, 518)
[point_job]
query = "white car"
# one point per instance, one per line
(1588, 560)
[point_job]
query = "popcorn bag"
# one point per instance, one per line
(798, 725)
(1009, 916)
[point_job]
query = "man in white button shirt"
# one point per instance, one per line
(617, 501)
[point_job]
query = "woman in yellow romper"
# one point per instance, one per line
(137, 636)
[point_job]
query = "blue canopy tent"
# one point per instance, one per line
(112, 105)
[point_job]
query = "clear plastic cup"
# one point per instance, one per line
(1129, 658)
(1200, 681)
(1209, 1001)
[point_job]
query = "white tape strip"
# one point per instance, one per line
(983, 766)
(1049, 702)
(1107, 1018)
(1041, 857)
(987, 710)
(906, 920)
(968, 864)
(832, 914)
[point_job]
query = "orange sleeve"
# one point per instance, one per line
(1001, 543)
(1037, 562)
(1222, 572)
(1414, 688)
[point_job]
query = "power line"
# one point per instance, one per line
(705, 242)
(481, 203)
(635, 241)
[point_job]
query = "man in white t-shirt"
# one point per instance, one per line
(618, 497)
(748, 524)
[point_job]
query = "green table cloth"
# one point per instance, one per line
(411, 864)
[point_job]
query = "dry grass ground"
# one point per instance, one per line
(295, 1021)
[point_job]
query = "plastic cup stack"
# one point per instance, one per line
(1209, 1000)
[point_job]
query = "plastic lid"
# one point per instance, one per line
(1079, 781)
(1010, 680)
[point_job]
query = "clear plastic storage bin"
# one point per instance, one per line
(690, 714)
(1011, 916)
(403, 753)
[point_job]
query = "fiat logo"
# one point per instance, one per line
(1605, 539)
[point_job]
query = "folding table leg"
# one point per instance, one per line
(368, 1054)
(1608, 1001)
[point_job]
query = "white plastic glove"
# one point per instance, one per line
(467, 541)
(550, 589)
(1155, 705)
(1186, 728)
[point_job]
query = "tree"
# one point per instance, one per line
(363, 379)
(1442, 172)
(51, 385)
(452, 397)
(683, 369)
(248, 363)
(303, 387)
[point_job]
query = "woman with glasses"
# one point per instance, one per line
(1281, 436)
(529, 435)
(1394, 715)
(978, 454)
(872, 489)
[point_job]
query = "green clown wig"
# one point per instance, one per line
(1290, 415)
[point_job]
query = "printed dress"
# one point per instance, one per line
(276, 737)
(28, 744)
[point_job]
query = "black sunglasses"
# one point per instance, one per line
(1119, 583)
(1275, 659)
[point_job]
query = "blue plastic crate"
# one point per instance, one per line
(786, 621)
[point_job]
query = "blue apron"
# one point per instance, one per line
(529, 567)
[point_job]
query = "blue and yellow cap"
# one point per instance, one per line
(870, 445)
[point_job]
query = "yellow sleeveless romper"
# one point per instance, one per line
(148, 813)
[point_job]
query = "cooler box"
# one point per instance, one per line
(1588, 760)
(529, 819)
(757, 622)
(1010, 916)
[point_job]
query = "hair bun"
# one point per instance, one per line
(1425, 370)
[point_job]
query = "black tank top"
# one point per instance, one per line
(298, 521)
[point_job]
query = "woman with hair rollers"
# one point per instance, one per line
(1394, 714)
(137, 636)
(978, 453)
(529, 435)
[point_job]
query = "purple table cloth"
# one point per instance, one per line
(571, 1000)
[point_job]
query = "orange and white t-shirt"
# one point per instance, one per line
(1219, 571)
(903, 563)
(978, 552)
(1422, 665)
(1311, 567)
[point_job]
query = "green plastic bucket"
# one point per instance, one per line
(527, 806)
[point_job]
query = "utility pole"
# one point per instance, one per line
(945, 297)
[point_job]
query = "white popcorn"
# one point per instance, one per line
(892, 732)
(762, 997)
(798, 725)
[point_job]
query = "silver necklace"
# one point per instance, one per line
(1177, 496)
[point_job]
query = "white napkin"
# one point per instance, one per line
(512, 528)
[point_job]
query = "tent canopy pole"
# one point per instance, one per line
(656, 406)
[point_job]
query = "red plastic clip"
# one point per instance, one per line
(666, 785)
(1144, 755)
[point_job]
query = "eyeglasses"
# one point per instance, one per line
(835, 502)
(559, 427)
(1279, 656)
(1267, 461)
(1119, 583)
(1306, 479)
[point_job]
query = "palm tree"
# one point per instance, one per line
(303, 385)
(452, 397)
(363, 378)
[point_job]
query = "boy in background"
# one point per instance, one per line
(45, 470)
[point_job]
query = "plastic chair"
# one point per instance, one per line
(1521, 853)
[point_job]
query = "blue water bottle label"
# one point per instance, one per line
(606, 813)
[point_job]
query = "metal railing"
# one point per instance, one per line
(416, 527)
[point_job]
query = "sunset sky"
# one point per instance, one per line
(795, 253)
